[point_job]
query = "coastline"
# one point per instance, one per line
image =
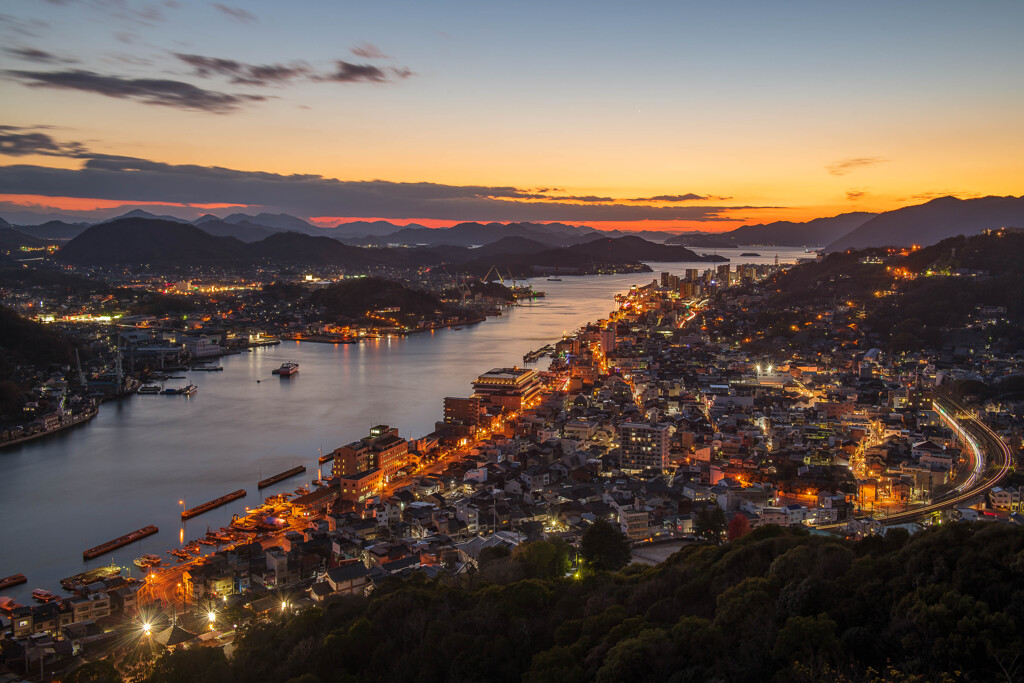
(82, 418)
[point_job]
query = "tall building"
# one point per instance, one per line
(608, 338)
(383, 449)
(644, 446)
(510, 388)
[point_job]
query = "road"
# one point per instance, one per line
(990, 462)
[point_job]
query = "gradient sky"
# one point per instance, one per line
(583, 112)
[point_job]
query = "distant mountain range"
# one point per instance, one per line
(922, 224)
(933, 222)
(154, 242)
(815, 233)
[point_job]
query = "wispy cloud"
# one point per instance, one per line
(161, 92)
(245, 74)
(16, 141)
(237, 13)
(31, 54)
(847, 165)
(346, 72)
(240, 73)
(688, 197)
(22, 28)
(855, 195)
(368, 51)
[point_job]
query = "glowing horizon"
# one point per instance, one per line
(676, 117)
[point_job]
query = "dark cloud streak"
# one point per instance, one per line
(32, 54)
(244, 74)
(14, 143)
(119, 178)
(162, 92)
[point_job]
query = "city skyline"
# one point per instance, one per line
(666, 116)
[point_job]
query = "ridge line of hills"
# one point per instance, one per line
(922, 224)
(158, 242)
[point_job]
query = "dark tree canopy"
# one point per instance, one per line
(604, 547)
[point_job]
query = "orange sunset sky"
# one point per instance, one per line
(655, 115)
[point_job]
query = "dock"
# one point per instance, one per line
(13, 580)
(87, 577)
(120, 541)
(270, 481)
(215, 503)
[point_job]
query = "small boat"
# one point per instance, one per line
(43, 596)
(150, 389)
(287, 369)
(190, 389)
(147, 561)
(8, 604)
(554, 279)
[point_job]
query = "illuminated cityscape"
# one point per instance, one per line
(472, 342)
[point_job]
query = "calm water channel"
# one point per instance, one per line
(131, 465)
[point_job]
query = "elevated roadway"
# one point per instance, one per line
(990, 460)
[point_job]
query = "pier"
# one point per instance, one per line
(215, 503)
(534, 356)
(270, 481)
(120, 541)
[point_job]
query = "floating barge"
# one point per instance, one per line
(270, 481)
(13, 580)
(216, 503)
(120, 541)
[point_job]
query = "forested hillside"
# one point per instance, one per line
(775, 605)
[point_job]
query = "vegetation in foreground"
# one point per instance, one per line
(775, 605)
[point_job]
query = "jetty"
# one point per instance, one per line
(215, 503)
(119, 541)
(270, 481)
(87, 577)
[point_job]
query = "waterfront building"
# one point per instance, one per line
(509, 388)
(383, 449)
(203, 346)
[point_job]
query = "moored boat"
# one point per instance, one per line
(150, 389)
(287, 369)
(43, 595)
